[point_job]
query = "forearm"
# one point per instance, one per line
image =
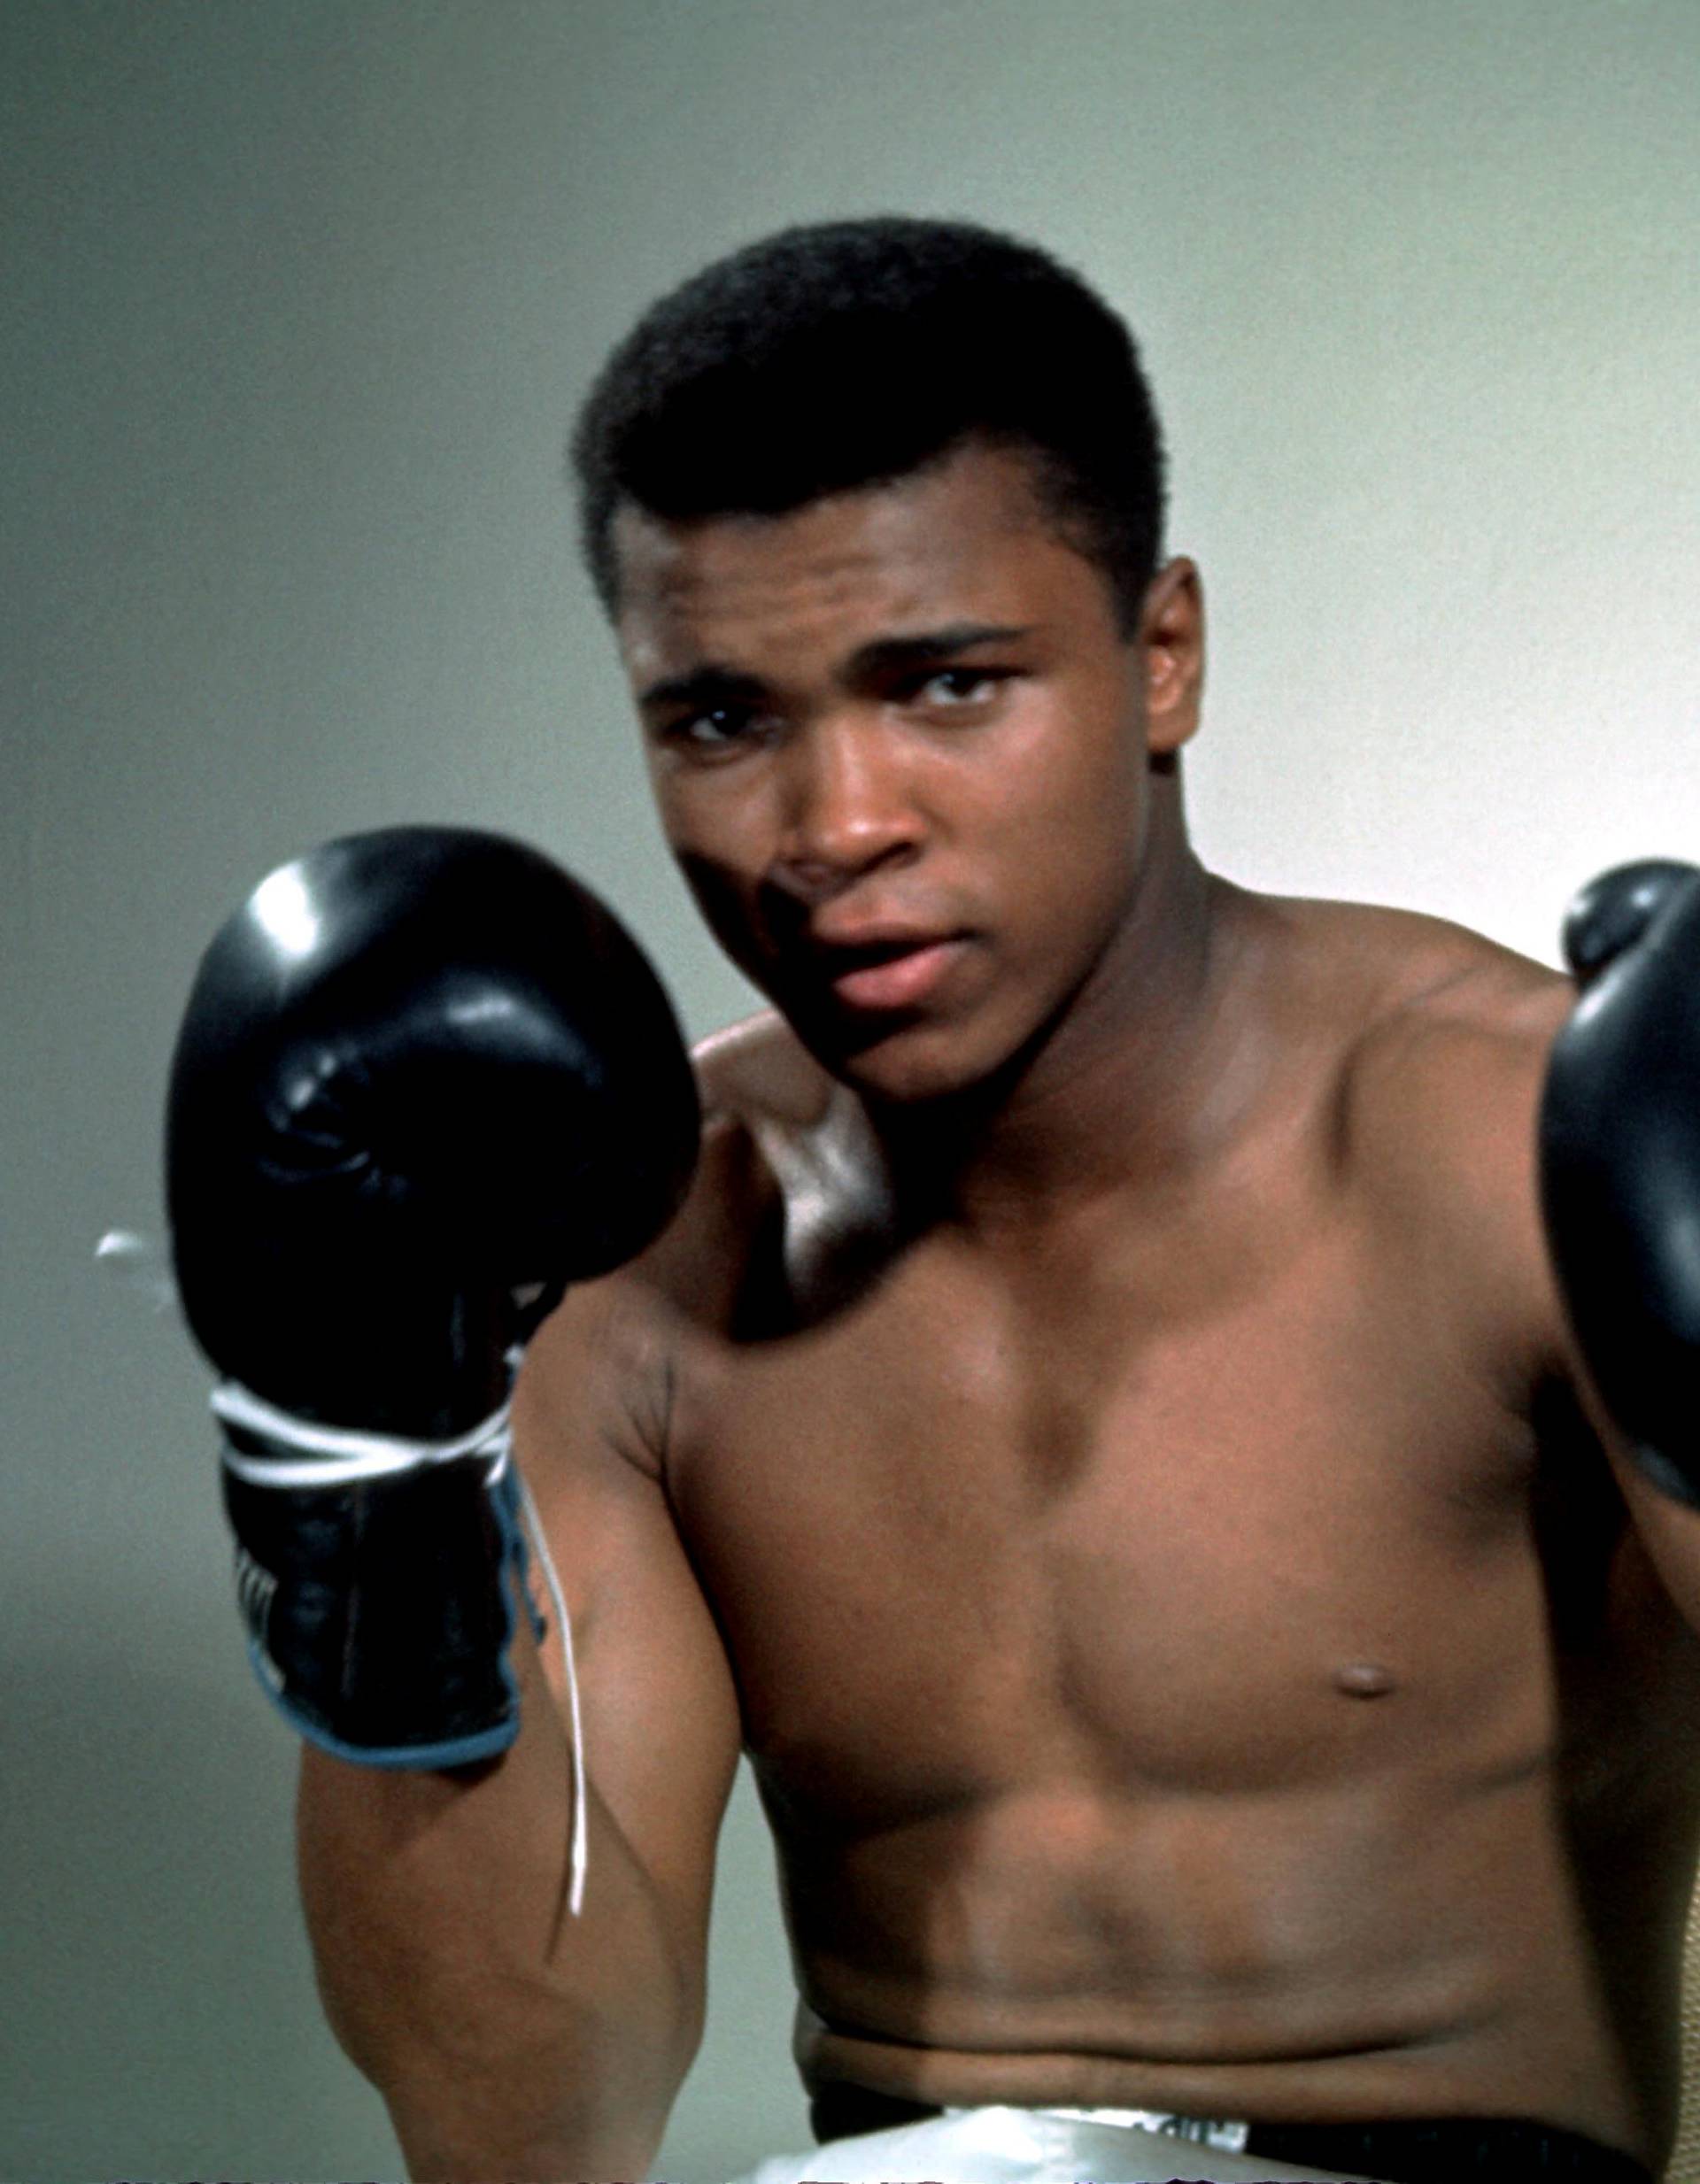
(530, 2086)
(508, 2038)
(377, 1192)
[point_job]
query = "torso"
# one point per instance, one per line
(1195, 1661)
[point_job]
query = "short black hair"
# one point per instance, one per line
(853, 353)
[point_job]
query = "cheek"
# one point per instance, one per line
(730, 908)
(1065, 807)
(714, 825)
(718, 843)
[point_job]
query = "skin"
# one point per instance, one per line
(1102, 1436)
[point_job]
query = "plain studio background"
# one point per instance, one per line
(301, 299)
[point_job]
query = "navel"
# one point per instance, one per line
(1364, 1679)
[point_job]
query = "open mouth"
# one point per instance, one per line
(887, 974)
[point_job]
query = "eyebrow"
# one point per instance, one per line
(928, 646)
(715, 685)
(708, 685)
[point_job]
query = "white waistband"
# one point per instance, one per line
(1228, 2135)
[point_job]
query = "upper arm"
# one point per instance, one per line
(660, 1709)
(1449, 1109)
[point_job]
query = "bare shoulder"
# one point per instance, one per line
(1447, 1037)
(1449, 1048)
(755, 1083)
(766, 1104)
(758, 1072)
(610, 1355)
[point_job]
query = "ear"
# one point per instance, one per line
(1170, 642)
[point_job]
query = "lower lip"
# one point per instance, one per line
(900, 983)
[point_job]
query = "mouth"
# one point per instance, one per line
(885, 975)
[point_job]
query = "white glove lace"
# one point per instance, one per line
(334, 1456)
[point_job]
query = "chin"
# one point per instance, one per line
(908, 1068)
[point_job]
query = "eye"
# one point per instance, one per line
(957, 689)
(714, 731)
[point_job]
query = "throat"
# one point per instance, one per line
(1149, 1073)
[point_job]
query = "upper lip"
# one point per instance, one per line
(875, 939)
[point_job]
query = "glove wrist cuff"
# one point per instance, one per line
(298, 1451)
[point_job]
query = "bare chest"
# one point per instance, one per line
(1232, 1533)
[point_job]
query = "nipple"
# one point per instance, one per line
(1364, 1679)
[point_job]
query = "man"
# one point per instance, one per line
(1101, 1433)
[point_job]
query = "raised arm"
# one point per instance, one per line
(425, 1083)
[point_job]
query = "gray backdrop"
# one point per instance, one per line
(300, 299)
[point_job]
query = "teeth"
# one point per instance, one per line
(877, 952)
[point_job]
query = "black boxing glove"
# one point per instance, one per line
(1620, 1159)
(425, 1080)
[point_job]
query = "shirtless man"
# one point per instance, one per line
(1101, 1433)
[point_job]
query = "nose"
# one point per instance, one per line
(849, 805)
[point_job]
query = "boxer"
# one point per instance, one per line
(1206, 1576)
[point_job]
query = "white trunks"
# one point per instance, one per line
(1030, 2146)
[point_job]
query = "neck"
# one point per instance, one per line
(1143, 1075)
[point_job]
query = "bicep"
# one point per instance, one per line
(656, 1695)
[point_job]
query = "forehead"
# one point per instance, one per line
(965, 539)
